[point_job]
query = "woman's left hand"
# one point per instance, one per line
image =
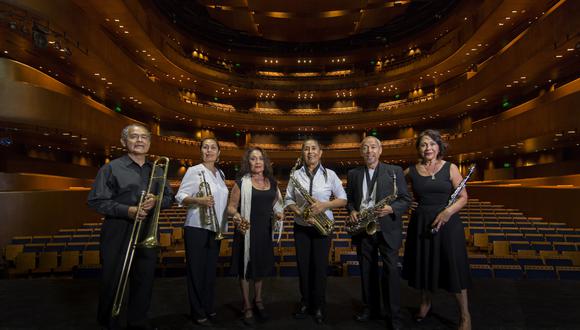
(317, 207)
(441, 219)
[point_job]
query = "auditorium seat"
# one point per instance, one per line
(540, 272)
(507, 271)
(568, 273)
(478, 259)
(542, 246)
(287, 269)
(42, 239)
(351, 268)
(554, 237)
(481, 271)
(34, 247)
(68, 261)
(481, 241)
(564, 246)
(61, 238)
(502, 260)
(54, 247)
(11, 251)
(530, 260)
(24, 263)
(90, 258)
(21, 239)
(75, 246)
(47, 262)
(558, 261)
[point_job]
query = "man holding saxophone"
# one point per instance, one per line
(116, 194)
(366, 186)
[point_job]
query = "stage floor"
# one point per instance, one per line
(495, 304)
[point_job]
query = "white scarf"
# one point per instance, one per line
(246, 210)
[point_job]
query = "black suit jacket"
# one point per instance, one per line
(391, 225)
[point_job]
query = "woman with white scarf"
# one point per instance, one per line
(201, 247)
(254, 199)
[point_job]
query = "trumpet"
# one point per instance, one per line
(321, 221)
(135, 240)
(210, 214)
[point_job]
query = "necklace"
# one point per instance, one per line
(431, 173)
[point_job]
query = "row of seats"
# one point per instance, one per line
(486, 236)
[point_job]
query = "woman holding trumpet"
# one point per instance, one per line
(204, 192)
(312, 245)
(253, 201)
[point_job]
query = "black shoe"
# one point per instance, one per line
(248, 317)
(204, 322)
(319, 316)
(212, 317)
(363, 316)
(261, 311)
(419, 318)
(301, 312)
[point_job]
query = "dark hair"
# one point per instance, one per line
(209, 138)
(436, 136)
(245, 168)
(302, 147)
(218, 159)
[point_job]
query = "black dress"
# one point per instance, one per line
(438, 260)
(261, 262)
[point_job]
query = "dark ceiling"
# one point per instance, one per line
(303, 26)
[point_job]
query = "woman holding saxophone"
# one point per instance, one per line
(204, 192)
(308, 196)
(253, 203)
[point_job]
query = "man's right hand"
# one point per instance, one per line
(353, 217)
(133, 213)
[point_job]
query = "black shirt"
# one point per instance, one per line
(118, 186)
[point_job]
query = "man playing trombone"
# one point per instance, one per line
(116, 193)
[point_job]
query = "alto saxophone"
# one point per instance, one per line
(321, 221)
(367, 220)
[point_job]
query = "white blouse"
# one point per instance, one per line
(322, 188)
(190, 187)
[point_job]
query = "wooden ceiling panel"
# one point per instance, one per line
(307, 29)
(240, 19)
(226, 3)
(304, 7)
(378, 17)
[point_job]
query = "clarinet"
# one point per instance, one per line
(456, 193)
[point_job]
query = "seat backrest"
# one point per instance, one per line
(501, 248)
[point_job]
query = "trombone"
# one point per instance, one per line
(135, 240)
(210, 213)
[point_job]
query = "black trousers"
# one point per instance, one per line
(201, 253)
(312, 258)
(368, 249)
(114, 242)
